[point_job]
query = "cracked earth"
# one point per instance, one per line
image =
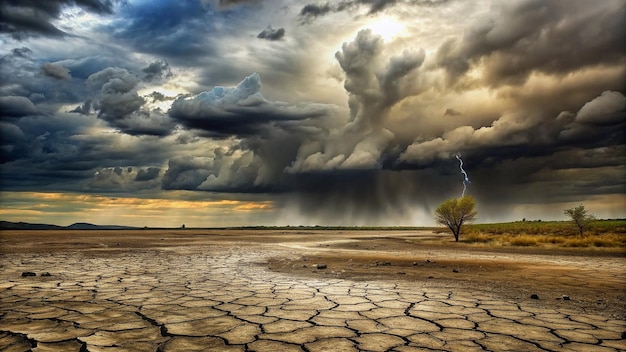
(265, 292)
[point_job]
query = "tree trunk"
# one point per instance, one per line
(580, 227)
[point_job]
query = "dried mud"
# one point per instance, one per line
(239, 290)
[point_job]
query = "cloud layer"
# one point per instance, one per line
(350, 126)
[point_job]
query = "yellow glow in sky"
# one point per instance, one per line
(386, 27)
(66, 208)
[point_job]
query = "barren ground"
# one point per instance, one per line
(380, 290)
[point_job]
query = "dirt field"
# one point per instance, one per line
(261, 290)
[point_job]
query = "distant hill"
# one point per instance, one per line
(7, 225)
(87, 226)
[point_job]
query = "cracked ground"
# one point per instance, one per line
(264, 291)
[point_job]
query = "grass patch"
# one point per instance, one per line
(562, 228)
(524, 241)
(597, 241)
(559, 234)
(476, 237)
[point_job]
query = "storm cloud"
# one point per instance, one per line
(536, 37)
(240, 110)
(310, 12)
(24, 18)
(156, 70)
(351, 126)
(373, 88)
(55, 71)
(271, 34)
(16, 106)
(119, 104)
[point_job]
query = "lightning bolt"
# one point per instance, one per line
(465, 177)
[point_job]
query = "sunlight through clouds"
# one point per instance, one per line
(214, 113)
(387, 28)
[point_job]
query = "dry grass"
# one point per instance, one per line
(524, 240)
(477, 237)
(603, 234)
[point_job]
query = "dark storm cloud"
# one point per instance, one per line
(369, 197)
(11, 138)
(55, 71)
(608, 108)
(310, 12)
(47, 153)
(513, 135)
(147, 174)
(43, 146)
(239, 111)
(21, 52)
(272, 34)
(16, 106)
(548, 179)
(158, 96)
(186, 173)
(84, 109)
(119, 98)
(24, 18)
(230, 3)
(599, 122)
(11, 133)
(373, 87)
(377, 5)
(522, 151)
(398, 67)
(533, 157)
(261, 137)
(47, 84)
(237, 169)
(332, 171)
(18, 73)
(531, 94)
(56, 152)
(523, 131)
(170, 29)
(83, 67)
(119, 104)
(537, 36)
(124, 179)
(146, 123)
(341, 177)
(156, 70)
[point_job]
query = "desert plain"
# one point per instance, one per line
(303, 290)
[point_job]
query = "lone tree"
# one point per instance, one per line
(581, 217)
(454, 212)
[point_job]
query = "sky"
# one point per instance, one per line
(215, 113)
